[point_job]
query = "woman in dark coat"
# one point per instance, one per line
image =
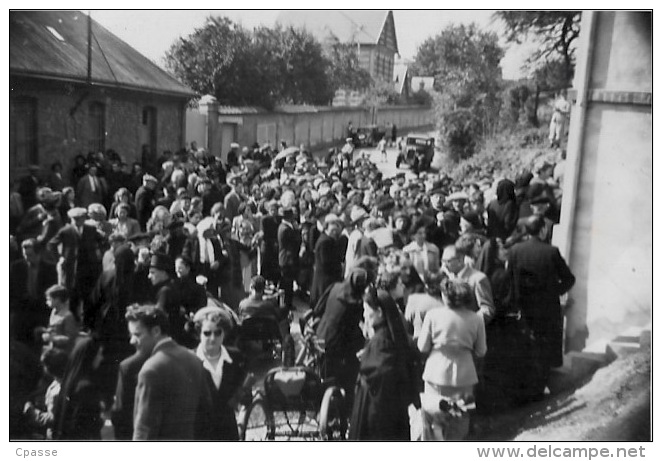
(502, 212)
(269, 247)
(112, 294)
(388, 378)
(226, 372)
(328, 260)
(77, 410)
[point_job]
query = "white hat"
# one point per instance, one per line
(234, 145)
(77, 212)
(357, 214)
(331, 217)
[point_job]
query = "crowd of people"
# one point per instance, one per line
(421, 285)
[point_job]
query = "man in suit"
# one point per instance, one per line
(91, 188)
(539, 276)
(423, 254)
(235, 197)
(29, 278)
(328, 259)
(289, 245)
(269, 246)
(146, 200)
(172, 398)
(454, 266)
(78, 246)
(127, 380)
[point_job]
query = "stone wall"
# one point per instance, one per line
(63, 128)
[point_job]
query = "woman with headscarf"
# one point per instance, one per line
(226, 371)
(502, 212)
(77, 411)
(388, 381)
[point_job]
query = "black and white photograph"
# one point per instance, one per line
(331, 225)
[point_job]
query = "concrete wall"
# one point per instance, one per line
(606, 222)
(317, 129)
(61, 136)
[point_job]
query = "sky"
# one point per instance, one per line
(151, 32)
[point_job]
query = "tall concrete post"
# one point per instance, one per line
(606, 226)
(209, 106)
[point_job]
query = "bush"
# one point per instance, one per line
(458, 133)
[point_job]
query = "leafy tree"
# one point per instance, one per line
(306, 80)
(262, 68)
(465, 63)
(554, 31)
(344, 71)
(218, 59)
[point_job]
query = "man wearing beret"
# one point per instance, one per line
(161, 272)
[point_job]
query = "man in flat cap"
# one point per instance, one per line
(289, 245)
(78, 246)
(146, 200)
(235, 197)
(233, 156)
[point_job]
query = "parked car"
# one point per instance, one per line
(417, 151)
(368, 136)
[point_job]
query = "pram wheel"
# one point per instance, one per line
(332, 417)
(257, 422)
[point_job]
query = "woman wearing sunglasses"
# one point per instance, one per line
(226, 367)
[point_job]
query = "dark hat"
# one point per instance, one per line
(472, 218)
(234, 179)
(540, 199)
(176, 224)
(385, 202)
(58, 291)
(523, 179)
(437, 188)
(140, 236)
(162, 262)
(116, 237)
(358, 280)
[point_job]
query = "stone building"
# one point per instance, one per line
(77, 88)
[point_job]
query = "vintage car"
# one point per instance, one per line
(368, 136)
(417, 151)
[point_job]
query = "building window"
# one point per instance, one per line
(148, 133)
(97, 127)
(24, 132)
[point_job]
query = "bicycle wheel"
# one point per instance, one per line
(332, 417)
(257, 422)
